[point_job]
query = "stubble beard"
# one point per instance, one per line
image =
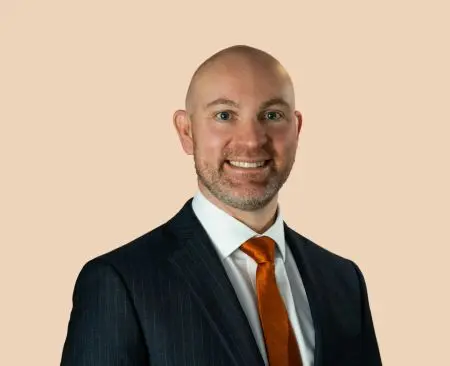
(216, 182)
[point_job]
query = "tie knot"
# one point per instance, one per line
(261, 249)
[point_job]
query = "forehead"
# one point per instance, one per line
(245, 82)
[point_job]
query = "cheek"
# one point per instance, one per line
(284, 143)
(209, 144)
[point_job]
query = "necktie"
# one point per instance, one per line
(281, 345)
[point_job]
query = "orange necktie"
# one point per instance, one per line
(281, 344)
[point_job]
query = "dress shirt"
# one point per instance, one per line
(228, 234)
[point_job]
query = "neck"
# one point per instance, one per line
(259, 220)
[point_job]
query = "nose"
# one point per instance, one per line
(251, 133)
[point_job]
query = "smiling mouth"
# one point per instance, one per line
(248, 164)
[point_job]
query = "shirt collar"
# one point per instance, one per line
(228, 233)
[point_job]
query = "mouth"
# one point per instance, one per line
(248, 165)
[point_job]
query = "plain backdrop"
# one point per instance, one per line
(90, 159)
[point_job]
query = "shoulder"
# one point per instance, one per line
(145, 253)
(313, 249)
(320, 260)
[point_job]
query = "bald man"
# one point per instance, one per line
(226, 281)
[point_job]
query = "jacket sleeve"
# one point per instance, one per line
(103, 327)
(370, 350)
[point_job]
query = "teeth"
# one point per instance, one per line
(245, 164)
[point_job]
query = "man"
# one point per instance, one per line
(226, 281)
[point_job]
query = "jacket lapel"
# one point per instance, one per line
(297, 245)
(198, 263)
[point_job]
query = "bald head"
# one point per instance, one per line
(233, 61)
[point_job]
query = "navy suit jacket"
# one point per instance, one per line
(164, 299)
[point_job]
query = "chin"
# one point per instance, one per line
(245, 201)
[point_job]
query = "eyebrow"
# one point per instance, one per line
(275, 101)
(222, 101)
(232, 103)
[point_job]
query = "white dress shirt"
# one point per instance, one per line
(227, 235)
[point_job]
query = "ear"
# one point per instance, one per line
(183, 126)
(299, 118)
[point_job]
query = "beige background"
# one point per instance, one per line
(90, 160)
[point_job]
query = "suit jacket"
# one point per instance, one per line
(165, 299)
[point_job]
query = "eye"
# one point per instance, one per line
(223, 116)
(273, 115)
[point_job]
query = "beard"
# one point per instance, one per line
(231, 193)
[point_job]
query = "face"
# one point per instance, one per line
(242, 131)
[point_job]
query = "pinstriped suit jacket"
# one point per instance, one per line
(164, 299)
